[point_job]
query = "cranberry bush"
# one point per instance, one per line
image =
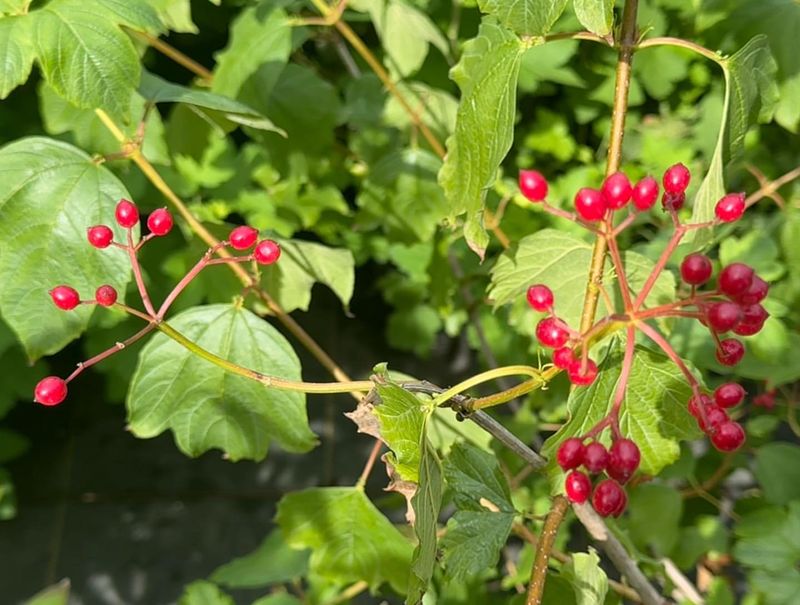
(601, 208)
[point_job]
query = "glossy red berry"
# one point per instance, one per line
(50, 391)
(590, 204)
(533, 185)
(608, 498)
(105, 296)
(570, 453)
(676, 179)
(580, 376)
(551, 332)
(753, 318)
(127, 214)
(723, 316)
(623, 460)
(714, 418)
(729, 437)
(755, 293)
(540, 297)
(563, 358)
(595, 458)
(65, 298)
(730, 352)
(735, 279)
(729, 394)
(673, 201)
(160, 222)
(730, 208)
(267, 252)
(242, 238)
(100, 236)
(696, 269)
(616, 190)
(696, 404)
(577, 487)
(645, 193)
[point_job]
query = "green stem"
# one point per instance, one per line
(486, 377)
(268, 381)
(679, 42)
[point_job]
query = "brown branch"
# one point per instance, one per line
(174, 54)
(544, 548)
(771, 188)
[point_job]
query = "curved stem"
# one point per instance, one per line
(110, 351)
(680, 42)
(486, 377)
(543, 549)
(268, 381)
(507, 395)
(190, 275)
(662, 262)
(137, 275)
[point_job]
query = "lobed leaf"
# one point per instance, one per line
(349, 538)
(207, 407)
(50, 192)
(18, 52)
(595, 15)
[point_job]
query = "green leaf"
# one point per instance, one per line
(304, 264)
(653, 412)
(14, 7)
(12, 445)
(280, 598)
(202, 592)
(176, 15)
(526, 17)
(548, 256)
(17, 50)
(258, 35)
(402, 425)
(350, 539)
(58, 594)
(473, 542)
(595, 15)
(158, 90)
(50, 192)
(769, 549)
(235, 414)
(272, 562)
(655, 516)
(778, 471)
(474, 475)
(588, 580)
(8, 496)
(85, 56)
(426, 503)
(487, 76)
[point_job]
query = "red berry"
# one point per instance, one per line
(160, 222)
(730, 208)
(723, 316)
(673, 201)
(127, 214)
(570, 453)
(540, 297)
(50, 391)
(242, 238)
(590, 204)
(735, 279)
(551, 332)
(755, 293)
(622, 505)
(105, 296)
(100, 236)
(533, 185)
(595, 458)
(578, 487)
(729, 437)
(645, 193)
(608, 498)
(676, 179)
(616, 190)
(730, 352)
(623, 460)
(563, 358)
(267, 252)
(695, 405)
(582, 377)
(765, 400)
(65, 298)
(696, 269)
(753, 318)
(729, 394)
(715, 417)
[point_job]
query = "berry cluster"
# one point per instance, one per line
(733, 305)
(52, 390)
(620, 462)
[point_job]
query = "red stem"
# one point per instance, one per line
(137, 274)
(186, 280)
(619, 267)
(670, 352)
(662, 262)
(109, 352)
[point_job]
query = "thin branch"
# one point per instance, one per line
(680, 42)
(772, 187)
(174, 54)
(507, 438)
(544, 548)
